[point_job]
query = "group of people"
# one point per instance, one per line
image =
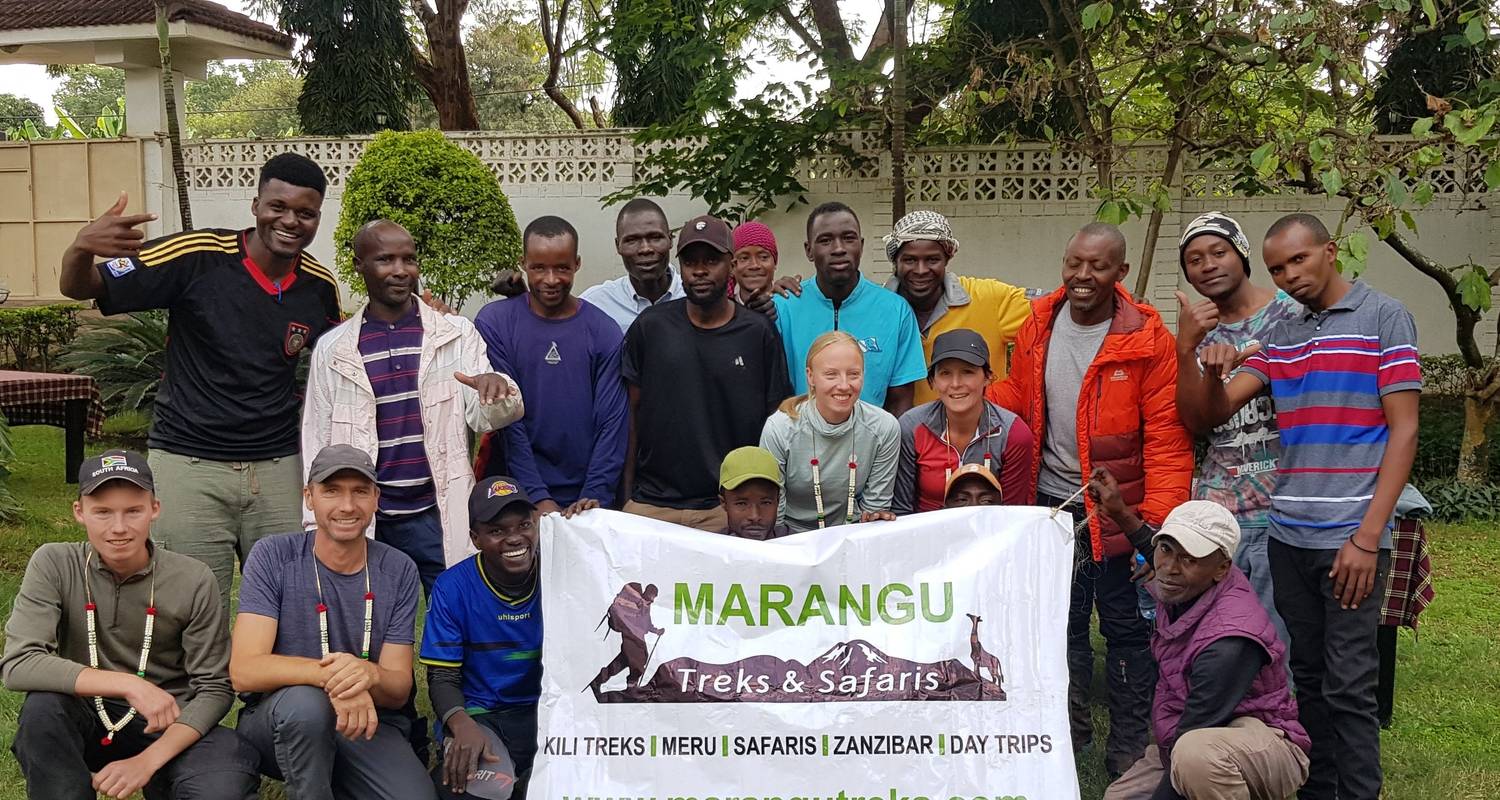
(715, 394)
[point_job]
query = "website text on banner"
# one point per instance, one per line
(922, 658)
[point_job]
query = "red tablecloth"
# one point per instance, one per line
(37, 398)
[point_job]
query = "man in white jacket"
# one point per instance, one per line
(404, 383)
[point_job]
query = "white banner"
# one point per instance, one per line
(922, 658)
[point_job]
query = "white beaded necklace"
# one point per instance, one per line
(364, 649)
(818, 491)
(112, 727)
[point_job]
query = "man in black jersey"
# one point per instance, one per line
(243, 307)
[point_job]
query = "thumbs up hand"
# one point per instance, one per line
(114, 234)
(1194, 321)
(492, 388)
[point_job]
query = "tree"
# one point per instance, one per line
(446, 197)
(656, 49)
(15, 111)
(440, 64)
(507, 63)
(1382, 181)
(87, 90)
(169, 104)
(356, 63)
(258, 99)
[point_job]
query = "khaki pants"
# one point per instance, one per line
(706, 519)
(1245, 760)
(215, 511)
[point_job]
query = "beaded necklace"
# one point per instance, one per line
(364, 648)
(817, 480)
(112, 727)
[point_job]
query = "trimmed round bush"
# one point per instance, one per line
(462, 222)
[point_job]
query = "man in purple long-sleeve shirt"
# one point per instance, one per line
(571, 447)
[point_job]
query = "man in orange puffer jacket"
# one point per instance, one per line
(1094, 375)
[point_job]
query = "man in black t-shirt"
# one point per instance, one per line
(243, 306)
(703, 373)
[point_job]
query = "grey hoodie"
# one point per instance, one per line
(870, 434)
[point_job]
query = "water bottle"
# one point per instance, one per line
(1144, 601)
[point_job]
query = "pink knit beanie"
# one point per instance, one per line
(757, 234)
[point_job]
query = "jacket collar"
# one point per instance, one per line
(1188, 621)
(954, 295)
(436, 329)
(1130, 329)
(934, 418)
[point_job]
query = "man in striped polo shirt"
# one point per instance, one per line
(1345, 380)
(405, 384)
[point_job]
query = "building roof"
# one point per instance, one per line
(38, 14)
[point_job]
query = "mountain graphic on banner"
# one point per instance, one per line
(854, 671)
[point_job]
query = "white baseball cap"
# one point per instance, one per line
(1201, 527)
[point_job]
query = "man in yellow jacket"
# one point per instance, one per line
(920, 247)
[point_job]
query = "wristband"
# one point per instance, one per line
(1374, 552)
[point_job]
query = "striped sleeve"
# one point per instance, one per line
(1400, 371)
(1257, 366)
(157, 275)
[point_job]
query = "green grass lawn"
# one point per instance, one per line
(1444, 745)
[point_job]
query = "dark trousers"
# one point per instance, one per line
(419, 536)
(516, 727)
(1334, 665)
(1130, 671)
(58, 744)
(294, 731)
(1385, 694)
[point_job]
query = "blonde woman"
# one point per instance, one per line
(838, 454)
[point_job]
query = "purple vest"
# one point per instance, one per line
(1230, 608)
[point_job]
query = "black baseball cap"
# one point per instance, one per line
(711, 231)
(962, 344)
(493, 495)
(114, 465)
(336, 458)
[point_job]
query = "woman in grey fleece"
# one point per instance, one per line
(831, 425)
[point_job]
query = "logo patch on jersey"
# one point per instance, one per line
(553, 357)
(112, 462)
(869, 344)
(502, 489)
(297, 335)
(739, 361)
(119, 267)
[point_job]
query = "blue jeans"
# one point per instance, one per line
(420, 537)
(1252, 560)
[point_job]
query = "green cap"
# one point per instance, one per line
(748, 463)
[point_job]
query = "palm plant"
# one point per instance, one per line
(125, 355)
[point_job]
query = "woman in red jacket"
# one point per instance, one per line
(960, 427)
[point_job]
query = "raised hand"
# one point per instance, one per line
(760, 300)
(436, 303)
(1194, 320)
(1221, 360)
(788, 285)
(114, 234)
(491, 387)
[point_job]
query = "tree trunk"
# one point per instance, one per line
(898, 114)
(553, 32)
(1474, 448)
(174, 131)
(1153, 225)
(444, 70)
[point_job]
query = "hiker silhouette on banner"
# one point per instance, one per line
(630, 615)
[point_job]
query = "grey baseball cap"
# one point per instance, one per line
(336, 458)
(1201, 527)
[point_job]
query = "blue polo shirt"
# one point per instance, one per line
(1328, 371)
(879, 318)
(494, 641)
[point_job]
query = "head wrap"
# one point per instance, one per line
(755, 233)
(920, 226)
(1220, 225)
